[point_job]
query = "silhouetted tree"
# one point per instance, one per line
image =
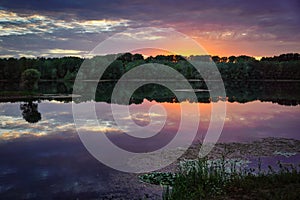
(244, 58)
(232, 59)
(30, 112)
(30, 78)
(216, 59)
(137, 57)
(224, 59)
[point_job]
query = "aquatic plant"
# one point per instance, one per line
(230, 178)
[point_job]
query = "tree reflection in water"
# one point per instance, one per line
(30, 112)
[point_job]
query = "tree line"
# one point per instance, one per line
(281, 92)
(285, 66)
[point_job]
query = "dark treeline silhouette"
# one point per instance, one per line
(285, 66)
(50, 68)
(283, 57)
(281, 92)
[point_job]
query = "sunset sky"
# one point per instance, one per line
(73, 28)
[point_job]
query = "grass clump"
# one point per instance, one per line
(227, 179)
(159, 178)
(201, 179)
(283, 183)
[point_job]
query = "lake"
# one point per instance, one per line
(42, 156)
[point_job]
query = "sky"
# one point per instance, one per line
(36, 28)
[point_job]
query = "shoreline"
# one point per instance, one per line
(262, 148)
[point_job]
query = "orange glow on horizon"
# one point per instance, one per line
(211, 50)
(147, 52)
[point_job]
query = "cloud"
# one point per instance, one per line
(64, 51)
(12, 23)
(40, 35)
(78, 25)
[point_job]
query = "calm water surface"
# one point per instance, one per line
(47, 160)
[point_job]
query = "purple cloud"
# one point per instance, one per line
(34, 25)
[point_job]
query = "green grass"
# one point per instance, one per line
(271, 186)
(199, 180)
(283, 184)
(225, 179)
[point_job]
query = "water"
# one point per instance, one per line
(46, 159)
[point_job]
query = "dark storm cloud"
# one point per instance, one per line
(156, 10)
(60, 23)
